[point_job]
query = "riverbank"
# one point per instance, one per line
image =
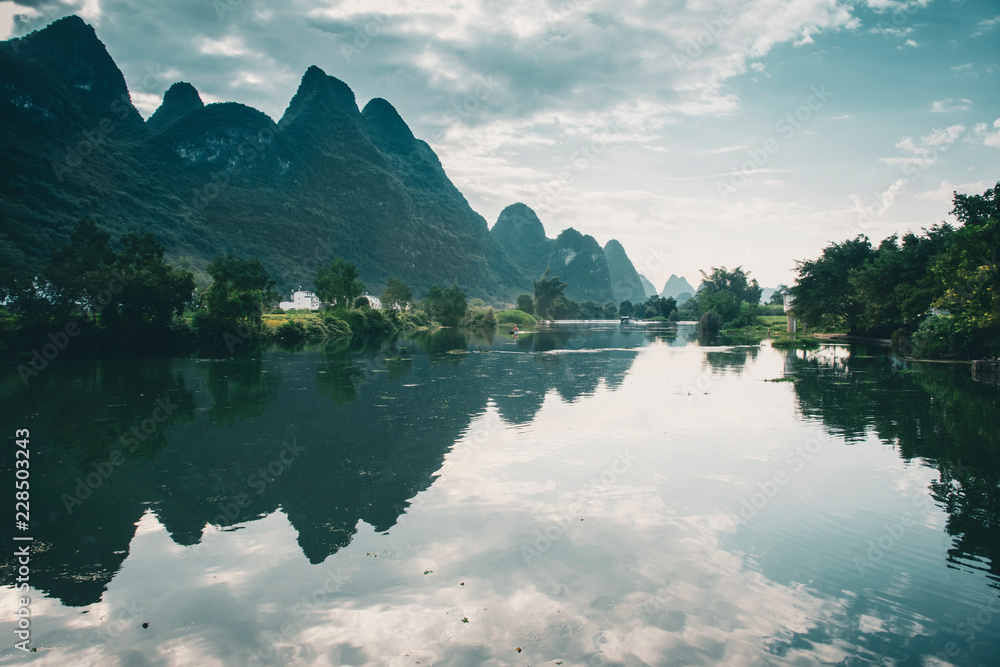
(33, 345)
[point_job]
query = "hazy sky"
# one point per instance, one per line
(699, 133)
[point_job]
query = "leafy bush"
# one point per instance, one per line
(477, 316)
(940, 336)
(710, 323)
(747, 316)
(515, 316)
(336, 327)
(291, 331)
(772, 309)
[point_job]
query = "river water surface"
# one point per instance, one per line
(589, 494)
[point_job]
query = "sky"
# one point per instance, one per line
(699, 134)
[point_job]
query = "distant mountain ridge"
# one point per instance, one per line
(647, 286)
(675, 286)
(592, 273)
(625, 282)
(327, 180)
(521, 235)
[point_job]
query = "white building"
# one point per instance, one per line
(373, 301)
(301, 300)
(793, 324)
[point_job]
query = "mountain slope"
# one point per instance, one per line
(579, 260)
(521, 235)
(326, 180)
(625, 282)
(180, 99)
(647, 286)
(675, 286)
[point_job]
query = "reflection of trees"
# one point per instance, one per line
(731, 359)
(77, 414)
(376, 419)
(240, 388)
(338, 379)
(936, 414)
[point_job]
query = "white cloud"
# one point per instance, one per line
(146, 103)
(888, 31)
(896, 6)
(885, 201)
(927, 151)
(8, 12)
(946, 190)
(728, 149)
(943, 136)
(947, 105)
(985, 26)
(964, 71)
(227, 46)
(989, 137)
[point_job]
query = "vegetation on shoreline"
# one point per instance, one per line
(936, 294)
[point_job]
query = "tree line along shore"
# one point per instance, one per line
(935, 294)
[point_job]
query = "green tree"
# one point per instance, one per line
(547, 290)
(823, 286)
(240, 291)
(526, 304)
(337, 284)
(397, 294)
(432, 302)
(977, 210)
(610, 311)
(895, 286)
(563, 308)
(723, 303)
(778, 298)
(452, 306)
(968, 273)
(589, 310)
(626, 309)
(736, 282)
(153, 291)
(79, 274)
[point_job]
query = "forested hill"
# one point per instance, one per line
(327, 180)
(592, 273)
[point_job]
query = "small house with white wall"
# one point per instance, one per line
(787, 300)
(301, 300)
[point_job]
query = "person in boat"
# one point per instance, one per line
(515, 330)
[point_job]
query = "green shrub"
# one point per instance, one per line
(291, 331)
(772, 309)
(940, 336)
(710, 323)
(477, 316)
(336, 327)
(514, 316)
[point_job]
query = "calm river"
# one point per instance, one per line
(590, 494)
